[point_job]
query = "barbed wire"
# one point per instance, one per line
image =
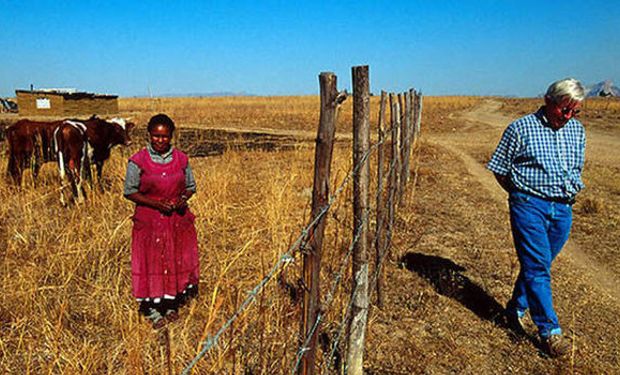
(284, 259)
(330, 296)
(338, 278)
(335, 343)
(288, 257)
(378, 267)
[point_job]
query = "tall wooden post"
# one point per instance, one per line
(411, 130)
(379, 236)
(418, 114)
(330, 100)
(394, 115)
(397, 139)
(404, 136)
(401, 118)
(361, 145)
(412, 95)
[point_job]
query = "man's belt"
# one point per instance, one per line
(570, 200)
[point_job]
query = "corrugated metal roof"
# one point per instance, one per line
(67, 95)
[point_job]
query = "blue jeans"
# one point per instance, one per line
(539, 229)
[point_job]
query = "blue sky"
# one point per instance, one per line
(280, 47)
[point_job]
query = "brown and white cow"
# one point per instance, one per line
(27, 140)
(71, 148)
(102, 136)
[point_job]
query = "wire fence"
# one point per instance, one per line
(350, 305)
(212, 341)
(327, 363)
(331, 294)
(339, 275)
(293, 250)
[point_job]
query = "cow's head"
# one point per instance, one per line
(122, 130)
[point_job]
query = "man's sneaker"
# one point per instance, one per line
(556, 346)
(515, 322)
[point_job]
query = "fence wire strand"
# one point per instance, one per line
(330, 296)
(336, 282)
(288, 257)
(327, 364)
(350, 305)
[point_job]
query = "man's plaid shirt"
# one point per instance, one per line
(540, 160)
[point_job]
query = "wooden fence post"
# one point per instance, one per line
(412, 113)
(418, 114)
(393, 171)
(361, 145)
(398, 140)
(380, 204)
(330, 100)
(402, 112)
(412, 133)
(404, 136)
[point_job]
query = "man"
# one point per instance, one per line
(539, 161)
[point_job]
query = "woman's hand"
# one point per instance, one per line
(165, 207)
(181, 203)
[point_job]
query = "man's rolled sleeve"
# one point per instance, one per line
(505, 153)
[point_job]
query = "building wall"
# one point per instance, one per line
(90, 106)
(27, 104)
(61, 107)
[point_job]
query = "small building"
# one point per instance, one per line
(64, 103)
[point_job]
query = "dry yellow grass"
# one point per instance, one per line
(244, 112)
(67, 305)
(597, 113)
(289, 113)
(69, 309)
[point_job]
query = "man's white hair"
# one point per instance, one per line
(568, 87)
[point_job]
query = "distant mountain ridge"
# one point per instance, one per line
(604, 89)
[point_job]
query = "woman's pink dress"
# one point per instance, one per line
(164, 248)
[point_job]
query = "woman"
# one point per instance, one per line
(164, 246)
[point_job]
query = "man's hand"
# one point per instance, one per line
(504, 182)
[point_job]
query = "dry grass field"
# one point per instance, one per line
(67, 305)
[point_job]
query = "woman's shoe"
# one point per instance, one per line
(172, 316)
(156, 319)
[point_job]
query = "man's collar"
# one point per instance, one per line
(542, 117)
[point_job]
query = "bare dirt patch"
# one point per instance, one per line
(457, 222)
(452, 270)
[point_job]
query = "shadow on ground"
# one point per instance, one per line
(447, 279)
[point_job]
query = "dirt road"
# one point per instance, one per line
(482, 127)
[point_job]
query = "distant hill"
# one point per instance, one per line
(605, 88)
